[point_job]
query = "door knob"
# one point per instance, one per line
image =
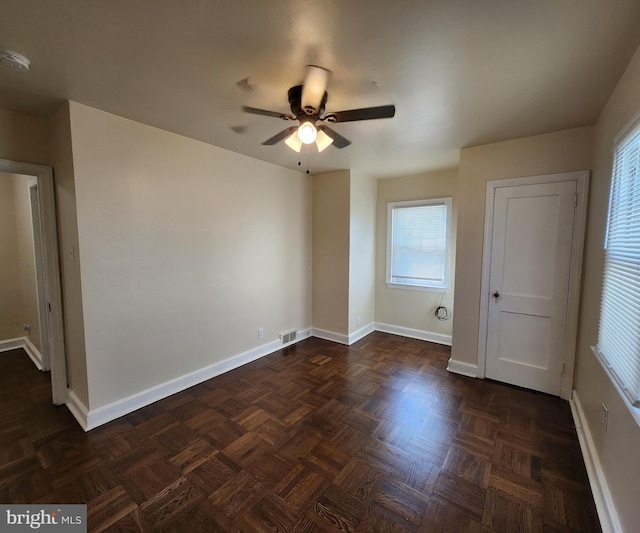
(496, 294)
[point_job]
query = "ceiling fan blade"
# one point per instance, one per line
(338, 140)
(264, 112)
(367, 113)
(313, 89)
(280, 136)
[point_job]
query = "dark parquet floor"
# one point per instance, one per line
(374, 437)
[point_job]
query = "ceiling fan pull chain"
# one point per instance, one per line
(306, 149)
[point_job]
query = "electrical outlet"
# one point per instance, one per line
(260, 333)
(358, 321)
(26, 328)
(605, 416)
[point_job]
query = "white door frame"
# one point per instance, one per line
(577, 246)
(53, 294)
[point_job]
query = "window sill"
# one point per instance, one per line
(439, 290)
(635, 411)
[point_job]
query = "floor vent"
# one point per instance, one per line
(288, 337)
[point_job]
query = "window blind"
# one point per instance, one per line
(619, 333)
(419, 245)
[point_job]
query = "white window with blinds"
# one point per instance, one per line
(619, 336)
(417, 244)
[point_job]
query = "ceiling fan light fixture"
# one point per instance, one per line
(323, 141)
(294, 142)
(307, 133)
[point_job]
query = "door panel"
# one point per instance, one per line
(530, 267)
(523, 339)
(527, 268)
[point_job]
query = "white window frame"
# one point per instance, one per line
(617, 367)
(431, 287)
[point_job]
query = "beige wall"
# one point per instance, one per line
(563, 151)
(25, 138)
(617, 448)
(69, 255)
(402, 307)
(10, 290)
(26, 257)
(362, 249)
(186, 251)
(331, 212)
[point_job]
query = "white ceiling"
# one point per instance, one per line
(460, 72)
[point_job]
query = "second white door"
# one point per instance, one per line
(530, 267)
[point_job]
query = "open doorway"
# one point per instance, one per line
(21, 321)
(31, 310)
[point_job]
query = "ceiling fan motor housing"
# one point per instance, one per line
(295, 98)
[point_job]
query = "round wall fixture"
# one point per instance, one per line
(12, 59)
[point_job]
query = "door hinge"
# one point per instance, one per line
(575, 200)
(49, 306)
(563, 367)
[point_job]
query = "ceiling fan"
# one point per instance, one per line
(307, 103)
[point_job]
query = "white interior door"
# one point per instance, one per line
(530, 266)
(40, 283)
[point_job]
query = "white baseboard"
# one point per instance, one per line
(26, 345)
(11, 344)
(607, 513)
(78, 409)
(462, 368)
(330, 336)
(429, 336)
(361, 333)
(92, 418)
(33, 353)
(341, 338)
